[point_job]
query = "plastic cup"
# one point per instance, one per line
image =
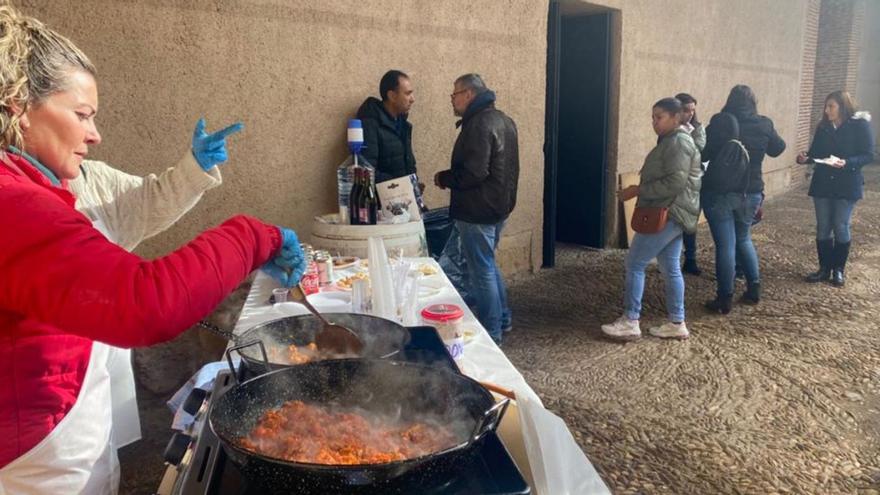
(360, 297)
(446, 318)
(280, 295)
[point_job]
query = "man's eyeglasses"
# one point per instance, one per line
(456, 93)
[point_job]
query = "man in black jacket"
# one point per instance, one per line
(387, 134)
(483, 181)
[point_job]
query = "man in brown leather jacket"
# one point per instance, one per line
(483, 180)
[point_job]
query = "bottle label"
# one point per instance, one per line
(355, 135)
(311, 280)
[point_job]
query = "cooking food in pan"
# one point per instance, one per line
(301, 354)
(294, 354)
(301, 432)
(390, 396)
(289, 340)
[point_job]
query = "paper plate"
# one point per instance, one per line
(331, 302)
(342, 285)
(345, 262)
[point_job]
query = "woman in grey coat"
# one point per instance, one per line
(670, 178)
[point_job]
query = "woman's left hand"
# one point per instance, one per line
(840, 163)
(210, 149)
(628, 193)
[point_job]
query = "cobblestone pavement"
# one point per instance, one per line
(781, 397)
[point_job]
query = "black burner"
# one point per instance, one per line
(490, 472)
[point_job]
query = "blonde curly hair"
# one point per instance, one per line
(35, 63)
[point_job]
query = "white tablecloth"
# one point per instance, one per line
(558, 465)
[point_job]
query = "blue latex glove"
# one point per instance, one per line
(289, 264)
(210, 149)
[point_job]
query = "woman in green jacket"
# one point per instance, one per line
(670, 178)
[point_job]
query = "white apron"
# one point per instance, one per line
(126, 420)
(78, 456)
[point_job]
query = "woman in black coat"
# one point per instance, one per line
(842, 145)
(731, 214)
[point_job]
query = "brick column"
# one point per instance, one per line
(837, 52)
(805, 95)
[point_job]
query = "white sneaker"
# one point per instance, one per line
(670, 330)
(623, 329)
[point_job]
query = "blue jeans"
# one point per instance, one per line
(730, 219)
(469, 261)
(833, 215)
(666, 247)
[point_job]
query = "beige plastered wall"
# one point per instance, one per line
(294, 72)
(703, 48)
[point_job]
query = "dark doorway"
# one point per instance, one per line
(576, 141)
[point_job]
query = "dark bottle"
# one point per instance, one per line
(363, 198)
(355, 196)
(363, 201)
(371, 200)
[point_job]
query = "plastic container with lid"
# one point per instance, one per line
(446, 318)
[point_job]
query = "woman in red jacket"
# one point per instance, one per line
(66, 291)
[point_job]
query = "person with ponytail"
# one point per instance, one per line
(731, 214)
(68, 294)
(670, 179)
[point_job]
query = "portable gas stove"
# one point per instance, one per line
(203, 468)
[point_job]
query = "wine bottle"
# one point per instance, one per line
(363, 213)
(363, 198)
(371, 200)
(354, 197)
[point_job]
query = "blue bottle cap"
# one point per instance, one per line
(354, 123)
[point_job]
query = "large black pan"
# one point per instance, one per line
(412, 391)
(382, 338)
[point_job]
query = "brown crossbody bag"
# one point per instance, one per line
(649, 219)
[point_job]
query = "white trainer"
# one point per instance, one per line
(670, 330)
(623, 329)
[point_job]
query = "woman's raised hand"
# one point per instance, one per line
(210, 149)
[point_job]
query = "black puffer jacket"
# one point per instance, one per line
(389, 152)
(485, 164)
(854, 142)
(758, 136)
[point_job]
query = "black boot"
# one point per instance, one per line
(841, 253)
(752, 295)
(690, 266)
(825, 250)
(721, 304)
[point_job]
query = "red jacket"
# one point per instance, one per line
(63, 285)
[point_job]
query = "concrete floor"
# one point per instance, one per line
(781, 397)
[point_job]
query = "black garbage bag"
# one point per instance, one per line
(438, 226)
